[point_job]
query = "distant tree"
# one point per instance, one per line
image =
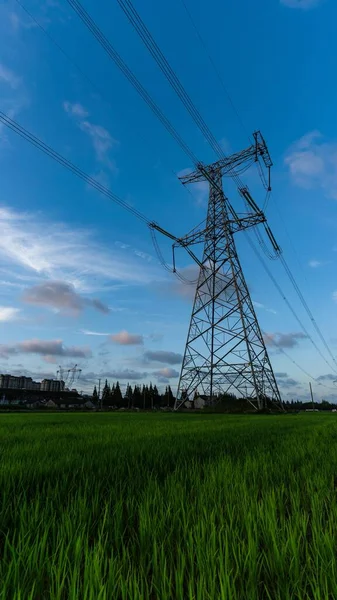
(128, 396)
(151, 395)
(170, 398)
(326, 405)
(118, 398)
(95, 395)
(106, 394)
(137, 397)
(155, 397)
(112, 396)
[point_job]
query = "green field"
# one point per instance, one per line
(168, 507)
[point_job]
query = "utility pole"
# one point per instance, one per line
(99, 392)
(312, 396)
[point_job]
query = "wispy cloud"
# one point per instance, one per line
(117, 374)
(76, 109)
(314, 264)
(288, 382)
(263, 307)
(61, 296)
(167, 373)
(101, 139)
(124, 338)
(98, 333)
(9, 77)
(284, 340)
(13, 96)
(163, 356)
(312, 163)
(327, 377)
(9, 313)
(57, 252)
(302, 4)
(44, 348)
(182, 288)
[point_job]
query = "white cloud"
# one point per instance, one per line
(101, 139)
(167, 372)
(88, 332)
(55, 251)
(312, 163)
(8, 313)
(13, 97)
(303, 4)
(314, 264)
(263, 307)
(77, 110)
(163, 356)
(45, 348)
(283, 340)
(7, 76)
(61, 296)
(124, 338)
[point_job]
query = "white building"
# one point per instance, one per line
(52, 385)
(18, 383)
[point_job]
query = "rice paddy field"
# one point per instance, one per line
(168, 507)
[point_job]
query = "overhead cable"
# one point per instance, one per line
(65, 54)
(216, 70)
(296, 363)
(152, 46)
(271, 276)
(22, 132)
(113, 54)
(306, 307)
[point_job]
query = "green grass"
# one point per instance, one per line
(168, 507)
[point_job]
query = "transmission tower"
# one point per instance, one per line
(225, 350)
(73, 374)
(60, 374)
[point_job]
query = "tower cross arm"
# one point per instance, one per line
(230, 163)
(178, 241)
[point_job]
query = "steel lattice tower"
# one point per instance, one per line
(225, 350)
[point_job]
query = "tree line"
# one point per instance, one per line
(145, 396)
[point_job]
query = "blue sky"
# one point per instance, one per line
(79, 278)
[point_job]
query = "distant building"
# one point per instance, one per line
(200, 401)
(19, 383)
(73, 403)
(52, 385)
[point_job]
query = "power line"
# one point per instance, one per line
(113, 54)
(65, 54)
(216, 70)
(306, 307)
(22, 132)
(278, 287)
(296, 363)
(169, 73)
(139, 25)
